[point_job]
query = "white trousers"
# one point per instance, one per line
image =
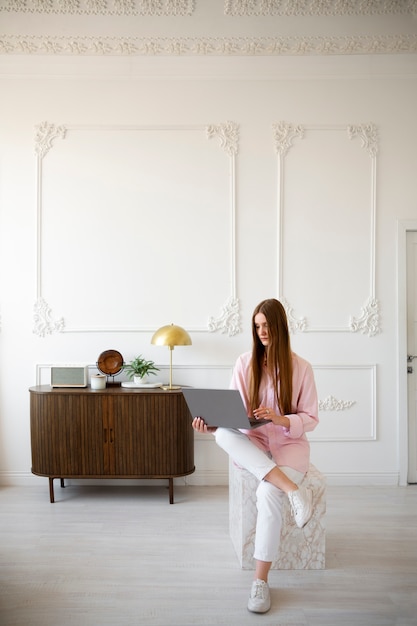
(269, 499)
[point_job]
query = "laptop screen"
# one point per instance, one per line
(220, 407)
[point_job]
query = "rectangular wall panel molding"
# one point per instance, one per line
(117, 245)
(347, 403)
(205, 376)
(326, 201)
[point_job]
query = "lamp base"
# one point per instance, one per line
(171, 387)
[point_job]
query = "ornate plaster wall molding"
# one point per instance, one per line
(229, 319)
(368, 322)
(294, 324)
(315, 7)
(228, 134)
(207, 46)
(284, 134)
(44, 324)
(330, 403)
(357, 382)
(45, 135)
(101, 7)
(368, 134)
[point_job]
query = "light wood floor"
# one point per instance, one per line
(121, 556)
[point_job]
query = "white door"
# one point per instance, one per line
(412, 354)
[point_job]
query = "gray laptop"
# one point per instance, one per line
(220, 407)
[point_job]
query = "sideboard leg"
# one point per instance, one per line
(171, 490)
(51, 490)
(62, 483)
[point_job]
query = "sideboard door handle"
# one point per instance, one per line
(111, 435)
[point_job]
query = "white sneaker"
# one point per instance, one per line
(259, 599)
(301, 501)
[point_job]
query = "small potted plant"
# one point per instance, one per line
(139, 369)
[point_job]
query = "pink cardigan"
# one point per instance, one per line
(288, 446)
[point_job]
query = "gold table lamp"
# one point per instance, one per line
(171, 336)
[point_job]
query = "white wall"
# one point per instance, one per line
(285, 240)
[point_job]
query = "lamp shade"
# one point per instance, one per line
(171, 335)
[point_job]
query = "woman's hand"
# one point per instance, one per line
(264, 413)
(201, 427)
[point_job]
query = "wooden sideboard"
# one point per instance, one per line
(113, 433)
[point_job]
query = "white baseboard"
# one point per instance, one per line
(200, 478)
(385, 479)
(208, 478)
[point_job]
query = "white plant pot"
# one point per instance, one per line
(140, 380)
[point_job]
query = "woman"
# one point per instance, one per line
(278, 385)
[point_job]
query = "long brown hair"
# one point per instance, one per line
(278, 352)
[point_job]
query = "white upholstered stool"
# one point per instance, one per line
(300, 548)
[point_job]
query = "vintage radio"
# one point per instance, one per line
(69, 376)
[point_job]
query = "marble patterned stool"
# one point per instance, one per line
(300, 548)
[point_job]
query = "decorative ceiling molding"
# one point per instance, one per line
(233, 8)
(156, 8)
(207, 46)
(249, 8)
